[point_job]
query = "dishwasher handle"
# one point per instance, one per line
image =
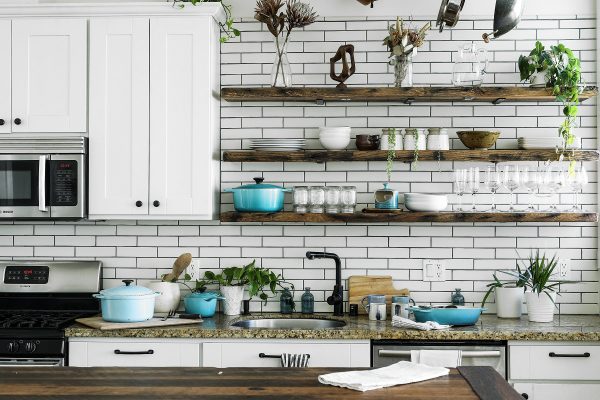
(465, 353)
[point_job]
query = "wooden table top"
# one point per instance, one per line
(230, 383)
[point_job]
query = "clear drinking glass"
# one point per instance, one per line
(316, 195)
(348, 199)
(460, 185)
(301, 200)
(332, 199)
(493, 183)
(473, 184)
(530, 181)
(511, 180)
(553, 181)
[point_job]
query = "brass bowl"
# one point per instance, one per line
(478, 140)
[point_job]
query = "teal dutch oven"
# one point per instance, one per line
(258, 197)
(204, 304)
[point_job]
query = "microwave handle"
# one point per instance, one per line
(42, 184)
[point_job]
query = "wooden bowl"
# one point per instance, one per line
(478, 140)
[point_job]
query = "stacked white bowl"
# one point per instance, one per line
(335, 138)
(425, 202)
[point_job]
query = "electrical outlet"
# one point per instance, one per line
(193, 270)
(434, 270)
(562, 271)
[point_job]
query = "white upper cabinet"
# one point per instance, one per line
(181, 142)
(119, 117)
(49, 75)
(5, 79)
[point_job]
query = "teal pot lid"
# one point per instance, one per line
(258, 185)
(206, 295)
(127, 291)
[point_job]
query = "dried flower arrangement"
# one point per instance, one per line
(281, 24)
(403, 41)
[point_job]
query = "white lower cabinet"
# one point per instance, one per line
(133, 353)
(323, 353)
(555, 370)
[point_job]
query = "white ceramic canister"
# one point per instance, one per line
(384, 144)
(438, 139)
(540, 307)
(415, 138)
(509, 302)
(233, 299)
(169, 298)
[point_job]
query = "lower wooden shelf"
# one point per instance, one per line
(408, 217)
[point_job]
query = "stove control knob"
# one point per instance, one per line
(13, 346)
(30, 347)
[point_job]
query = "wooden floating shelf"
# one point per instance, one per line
(320, 156)
(408, 217)
(319, 95)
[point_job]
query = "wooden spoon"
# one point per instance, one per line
(182, 262)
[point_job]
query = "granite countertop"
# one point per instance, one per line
(566, 327)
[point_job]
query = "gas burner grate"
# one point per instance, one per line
(32, 320)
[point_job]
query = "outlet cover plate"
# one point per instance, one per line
(193, 270)
(434, 271)
(562, 271)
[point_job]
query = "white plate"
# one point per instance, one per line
(277, 149)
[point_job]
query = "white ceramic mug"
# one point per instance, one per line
(377, 312)
(169, 297)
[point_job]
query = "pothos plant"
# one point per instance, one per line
(258, 280)
(563, 76)
(391, 153)
(229, 31)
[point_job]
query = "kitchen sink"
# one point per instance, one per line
(289, 323)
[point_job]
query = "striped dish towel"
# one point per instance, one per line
(400, 322)
(294, 360)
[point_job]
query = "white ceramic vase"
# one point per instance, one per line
(538, 79)
(169, 298)
(509, 302)
(233, 299)
(540, 307)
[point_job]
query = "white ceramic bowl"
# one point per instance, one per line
(425, 202)
(334, 143)
(336, 130)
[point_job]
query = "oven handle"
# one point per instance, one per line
(34, 362)
(465, 353)
(42, 184)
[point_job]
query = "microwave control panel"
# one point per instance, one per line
(63, 183)
(37, 275)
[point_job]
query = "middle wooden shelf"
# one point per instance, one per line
(320, 156)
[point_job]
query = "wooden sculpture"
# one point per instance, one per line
(347, 71)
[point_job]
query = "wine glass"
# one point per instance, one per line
(511, 180)
(493, 183)
(554, 181)
(575, 182)
(473, 184)
(460, 185)
(529, 179)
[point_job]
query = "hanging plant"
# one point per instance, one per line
(229, 32)
(416, 136)
(391, 153)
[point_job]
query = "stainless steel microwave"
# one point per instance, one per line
(43, 178)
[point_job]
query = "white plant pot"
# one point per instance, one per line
(233, 299)
(384, 144)
(509, 302)
(169, 298)
(538, 79)
(410, 143)
(539, 307)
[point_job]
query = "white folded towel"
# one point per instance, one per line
(437, 358)
(400, 322)
(396, 374)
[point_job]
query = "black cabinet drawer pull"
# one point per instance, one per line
(2, 122)
(18, 121)
(584, 355)
(134, 352)
(263, 355)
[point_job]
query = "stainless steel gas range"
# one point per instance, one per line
(37, 301)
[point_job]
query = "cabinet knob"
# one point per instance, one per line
(18, 121)
(2, 122)
(138, 203)
(156, 203)
(525, 396)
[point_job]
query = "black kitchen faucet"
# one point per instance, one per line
(337, 297)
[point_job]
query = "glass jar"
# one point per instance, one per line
(308, 302)
(457, 298)
(286, 302)
(332, 199)
(301, 199)
(348, 199)
(316, 199)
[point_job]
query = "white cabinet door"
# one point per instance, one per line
(5, 78)
(559, 391)
(182, 143)
(119, 116)
(49, 75)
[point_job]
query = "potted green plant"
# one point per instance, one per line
(541, 299)
(561, 70)
(229, 31)
(509, 294)
(234, 280)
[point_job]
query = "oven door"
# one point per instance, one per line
(23, 186)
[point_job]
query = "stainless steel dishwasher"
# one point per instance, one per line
(476, 353)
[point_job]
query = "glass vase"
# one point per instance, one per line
(281, 72)
(403, 70)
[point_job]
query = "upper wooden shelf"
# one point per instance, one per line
(486, 94)
(320, 156)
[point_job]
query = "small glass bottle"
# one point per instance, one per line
(286, 302)
(457, 298)
(308, 302)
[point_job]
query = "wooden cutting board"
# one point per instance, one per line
(361, 286)
(99, 323)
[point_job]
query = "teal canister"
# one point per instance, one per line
(308, 302)
(286, 302)
(386, 198)
(457, 298)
